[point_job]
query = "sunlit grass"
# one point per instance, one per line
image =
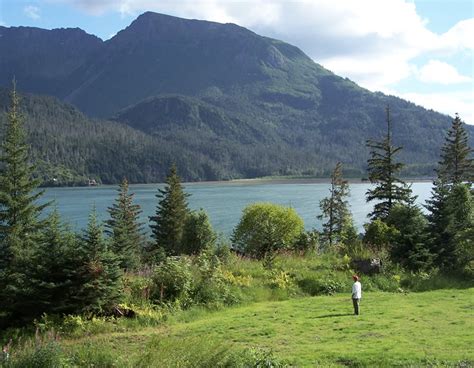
(414, 329)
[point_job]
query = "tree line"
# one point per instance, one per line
(46, 268)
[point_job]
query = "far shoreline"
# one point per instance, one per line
(300, 180)
(255, 181)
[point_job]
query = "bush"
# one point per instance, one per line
(172, 281)
(322, 285)
(198, 233)
(279, 279)
(308, 241)
(137, 289)
(424, 281)
(211, 286)
(388, 283)
(266, 228)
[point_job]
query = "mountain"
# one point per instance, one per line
(68, 148)
(40, 60)
(246, 105)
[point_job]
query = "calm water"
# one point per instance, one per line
(222, 201)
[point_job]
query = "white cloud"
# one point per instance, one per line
(440, 72)
(448, 102)
(458, 37)
(32, 12)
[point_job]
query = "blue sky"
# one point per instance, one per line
(419, 50)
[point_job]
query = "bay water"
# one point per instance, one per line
(223, 201)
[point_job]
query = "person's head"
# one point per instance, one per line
(355, 277)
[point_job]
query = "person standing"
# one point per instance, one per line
(356, 294)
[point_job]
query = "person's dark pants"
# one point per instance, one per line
(356, 303)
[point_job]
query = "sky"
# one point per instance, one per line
(420, 50)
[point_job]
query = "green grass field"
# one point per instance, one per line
(410, 330)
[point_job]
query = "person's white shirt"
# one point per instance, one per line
(357, 290)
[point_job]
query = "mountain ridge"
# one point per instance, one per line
(217, 89)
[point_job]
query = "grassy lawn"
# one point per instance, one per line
(416, 329)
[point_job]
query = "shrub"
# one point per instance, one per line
(307, 241)
(266, 228)
(198, 233)
(388, 283)
(137, 289)
(223, 252)
(211, 287)
(279, 279)
(172, 281)
(378, 235)
(322, 285)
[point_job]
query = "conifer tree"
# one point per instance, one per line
(124, 228)
(100, 273)
(383, 168)
(171, 214)
(446, 222)
(456, 165)
(56, 264)
(335, 209)
(409, 247)
(20, 225)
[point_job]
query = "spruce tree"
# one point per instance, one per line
(456, 165)
(57, 261)
(20, 225)
(446, 225)
(124, 228)
(383, 169)
(100, 274)
(171, 215)
(335, 209)
(409, 247)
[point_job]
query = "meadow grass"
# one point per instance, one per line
(273, 322)
(434, 328)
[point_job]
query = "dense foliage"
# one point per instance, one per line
(266, 228)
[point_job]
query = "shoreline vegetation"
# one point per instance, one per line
(259, 180)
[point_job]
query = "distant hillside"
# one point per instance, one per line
(226, 101)
(68, 148)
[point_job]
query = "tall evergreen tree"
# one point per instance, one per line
(57, 261)
(456, 165)
(124, 228)
(171, 214)
(383, 169)
(408, 245)
(446, 223)
(20, 225)
(99, 272)
(335, 209)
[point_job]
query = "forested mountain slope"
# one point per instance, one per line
(218, 98)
